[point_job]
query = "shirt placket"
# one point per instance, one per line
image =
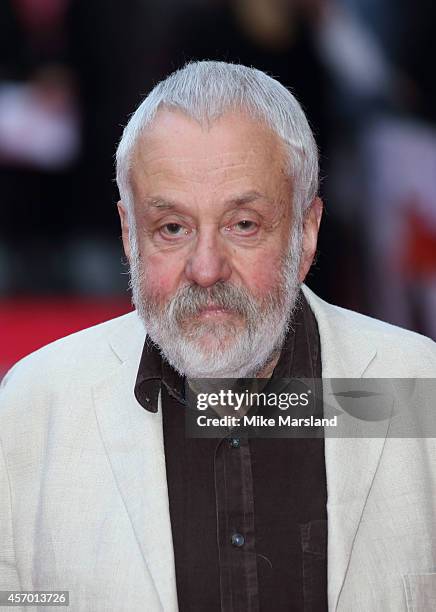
(235, 526)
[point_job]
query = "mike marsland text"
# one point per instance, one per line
(262, 421)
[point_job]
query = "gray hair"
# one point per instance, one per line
(206, 90)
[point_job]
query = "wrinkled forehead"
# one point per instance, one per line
(176, 146)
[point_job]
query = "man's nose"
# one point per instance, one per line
(208, 261)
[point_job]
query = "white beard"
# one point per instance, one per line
(233, 352)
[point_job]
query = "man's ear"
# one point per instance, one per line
(311, 223)
(124, 218)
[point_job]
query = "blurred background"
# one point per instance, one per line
(71, 72)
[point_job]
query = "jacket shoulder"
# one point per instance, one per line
(79, 355)
(399, 352)
(385, 332)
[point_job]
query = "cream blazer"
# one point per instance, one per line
(83, 491)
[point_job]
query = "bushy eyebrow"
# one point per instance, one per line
(160, 203)
(247, 198)
(241, 200)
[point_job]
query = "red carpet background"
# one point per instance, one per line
(27, 324)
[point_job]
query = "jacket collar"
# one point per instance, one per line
(345, 351)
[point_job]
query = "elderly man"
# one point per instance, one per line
(103, 494)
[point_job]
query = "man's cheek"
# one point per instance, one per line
(265, 280)
(162, 273)
(160, 285)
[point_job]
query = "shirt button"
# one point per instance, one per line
(238, 540)
(235, 442)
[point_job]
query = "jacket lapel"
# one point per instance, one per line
(351, 462)
(133, 441)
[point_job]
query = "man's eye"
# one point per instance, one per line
(173, 229)
(245, 225)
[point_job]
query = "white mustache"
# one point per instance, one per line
(191, 299)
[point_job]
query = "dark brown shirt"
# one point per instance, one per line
(248, 515)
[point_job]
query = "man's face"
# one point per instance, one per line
(212, 273)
